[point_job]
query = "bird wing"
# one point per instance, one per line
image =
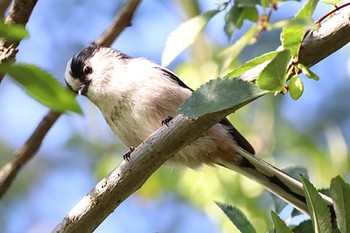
(237, 136)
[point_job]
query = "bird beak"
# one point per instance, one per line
(82, 89)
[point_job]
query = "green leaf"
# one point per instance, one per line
(333, 3)
(303, 22)
(237, 218)
(296, 87)
(247, 3)
(304, 227)
(236, 15)
(273, 77)
(318, 209)
(185, 35)
(13, 32)
(340, 193)
(252, 63)
(308, 73)
(42, 86)
(220, 94)
(280, 226)
(292, 36)
(230, 54)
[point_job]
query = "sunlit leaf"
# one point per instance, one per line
(273, 77)
(303, 22)
(319, 212)
(340, 193)
(296, 87)
(237, 218)
(308, 73)
(220, 94)
(252, 63)
(185, 35)
(292, 36)
(280, 226)
(331, 2)
(228, 55)
(13, 32)
(42, 86)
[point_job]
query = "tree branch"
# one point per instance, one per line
(165, 142)
(4, 5)
(119, 23)
(19, 13)
(32, 145)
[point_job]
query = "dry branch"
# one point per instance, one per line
(160, 146)
(32, 145)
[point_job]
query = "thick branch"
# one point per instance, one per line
(32, 145)
(157, 149)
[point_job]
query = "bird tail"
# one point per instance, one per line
(273, 179)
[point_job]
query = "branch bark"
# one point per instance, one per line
(32, 145)
(161, 145)
(19, 13)
(4, 5)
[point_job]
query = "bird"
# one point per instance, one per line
(137, 96)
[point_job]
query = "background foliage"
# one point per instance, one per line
(309, 132)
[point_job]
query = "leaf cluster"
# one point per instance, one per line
(320, 213)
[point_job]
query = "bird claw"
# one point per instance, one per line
(126, 156)
(167, 120)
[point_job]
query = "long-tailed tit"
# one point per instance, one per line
(136, 95)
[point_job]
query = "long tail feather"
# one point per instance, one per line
(273, 179)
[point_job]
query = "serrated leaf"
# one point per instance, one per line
(230, 54)
(307, 72)
(237, 218)
(42, 86)
(185, 35)
(252, 63)
(292, 36)
(340, 193)
(318, 209)
(273, 77)
(13, 32)
(296, 87)
(220, 94)
(280, 226)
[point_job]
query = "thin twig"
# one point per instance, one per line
(119, 23)
(31, 146)
(156, 149)
(26, 152)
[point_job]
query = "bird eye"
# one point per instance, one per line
(87, 70)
